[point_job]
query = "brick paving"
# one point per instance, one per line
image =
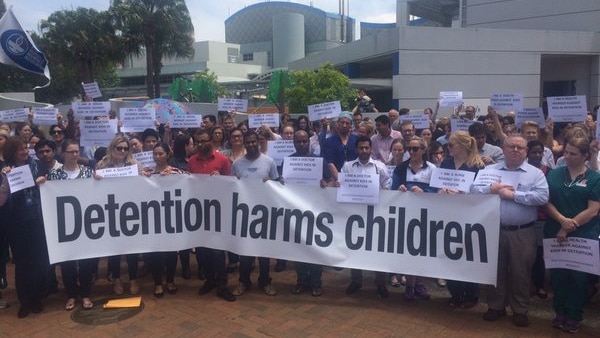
(255, 314)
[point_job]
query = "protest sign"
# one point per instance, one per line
(303, 170)
(137, 119)
(257, 120)
(567, 108)
(451, 99)
(225, 104)
(327, 110)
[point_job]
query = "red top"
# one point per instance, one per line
(215, 162)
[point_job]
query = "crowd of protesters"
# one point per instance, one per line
(558, 196)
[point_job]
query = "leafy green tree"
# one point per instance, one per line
(322, 85)
(83, 37)
(158, 28)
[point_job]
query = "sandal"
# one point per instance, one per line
(70, 304)
(87, 303)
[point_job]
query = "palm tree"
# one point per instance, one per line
(84, 37)
(158, 28)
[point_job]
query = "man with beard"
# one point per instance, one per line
(308, 274)
(258, 166)
(364, 164)
(208, 161)
(340, 147)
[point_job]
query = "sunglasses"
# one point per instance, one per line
(56, 132)
(122, 148)
(413, 149)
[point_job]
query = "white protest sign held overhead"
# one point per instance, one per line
(92, 90)
(567, 108)
(97, 133)
(451, 99)
(45, 116)
(507, 101)
(530, 114)
(85, 109)
(420, 121)
(186, 121)
(14, 115)
(225, 104)
(137, 119)
(329, 110)
(257, 120)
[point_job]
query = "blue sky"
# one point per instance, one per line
(208, 16)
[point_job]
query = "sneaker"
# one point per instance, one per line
(493, 315)
(409, 293)
(394, 282)
(403, 280)
(317, 291)
(558, 322)
(134, 288)
(117, 286)
(421, 291)
(353, 288)
(441, 283)
(571, 326)
(226, 294)
(240, 289)
(298, 289)
(270, 289)
(206, 288)
(382, 292)
(3, 304)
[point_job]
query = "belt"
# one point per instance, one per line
(516, 227)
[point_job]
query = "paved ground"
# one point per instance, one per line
(256, 315)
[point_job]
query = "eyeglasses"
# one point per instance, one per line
(72, 152)
(56, 132)
(121, 148)
(515, 147)
(236, 136)
(413, 149)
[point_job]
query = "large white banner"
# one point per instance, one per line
(453, 237)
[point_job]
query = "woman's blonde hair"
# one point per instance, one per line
(464, 139)
(108, 161)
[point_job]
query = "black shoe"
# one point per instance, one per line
(37, 307)
(206, 288)
(382, 292)
(280, 265)
(317, 291)
(3, 283)
(493, 315)
(520, 320)
(23, 312)
(353, 287)
(298, 289)
(226, 294)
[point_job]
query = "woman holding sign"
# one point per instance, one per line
(158, 261)
(414, 175)
(463, 156)
(572, 212)
(118, 155)
(70, 273)
(25, 228)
